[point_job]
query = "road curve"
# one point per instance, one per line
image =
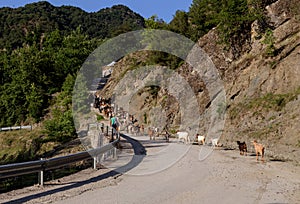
(224, 177)
(141, 175)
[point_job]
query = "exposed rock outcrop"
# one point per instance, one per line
(262, 86)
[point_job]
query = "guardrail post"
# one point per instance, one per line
(112, 135)
(115, 148)
(41, 176)
(95, 163)
(115, 153)
(102, 127)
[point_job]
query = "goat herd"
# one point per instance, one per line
(123, 119)
(259, 148)
(131, 125)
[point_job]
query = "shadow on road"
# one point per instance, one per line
(139, 154)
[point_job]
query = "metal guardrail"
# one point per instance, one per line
(17, 169)
(16, 128)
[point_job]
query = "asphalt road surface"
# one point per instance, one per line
(159, 172)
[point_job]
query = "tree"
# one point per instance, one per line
(80, 96)
(32, 73)
(25, 24)
(22, 94)
(203, 17)
(155, 23)
(34, 102)
(235, 24)
(61, 127)
(180, 24)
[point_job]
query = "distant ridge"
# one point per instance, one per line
(43, 17)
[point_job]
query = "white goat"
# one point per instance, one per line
(184, 136)
(215, 142)
(201, 139)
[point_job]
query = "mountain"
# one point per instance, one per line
(18, 25)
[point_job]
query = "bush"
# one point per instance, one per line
(61, 128)
(269, 41)
(100, 117)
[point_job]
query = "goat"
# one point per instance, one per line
(242, 147)
(142, 129)
(214, 142)
(259, 149)
(151, 133)
(201, 139)
(184, 136)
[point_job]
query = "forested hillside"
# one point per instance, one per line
(42, 44)
(42, 47)
(26, 24)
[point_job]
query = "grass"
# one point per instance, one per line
(265, 132)
(100, 117)
(16, 145)
(266, 103)
(24, 145)
(273, 64)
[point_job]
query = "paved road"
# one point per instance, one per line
(224, 177)
(149, 157)
(148, 172)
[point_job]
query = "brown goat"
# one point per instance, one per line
(259, 149)
(242, 147)
(151, 133)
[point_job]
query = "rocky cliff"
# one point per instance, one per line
(262, 86)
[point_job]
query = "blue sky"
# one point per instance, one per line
(164, 9)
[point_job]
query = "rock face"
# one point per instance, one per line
(262, 87)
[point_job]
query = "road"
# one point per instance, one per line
(224, 177)
(141, 175)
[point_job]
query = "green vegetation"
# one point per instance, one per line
(100, 118)
(232, 18)
(270, 41)
(145, 118)
(268, 102)
(19, 146)
(26, 24)
(31, 75)
(147, 58)
(204, 16)
(155, 23)
(264, 132)
(42, 49)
